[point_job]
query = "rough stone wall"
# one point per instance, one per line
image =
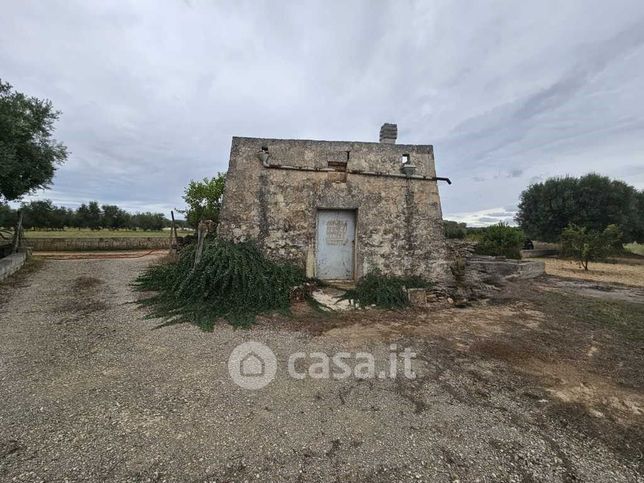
(11, 264)
(473, 273)
(399, 221)
(460, 248)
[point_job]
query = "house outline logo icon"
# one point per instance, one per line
(252, 365)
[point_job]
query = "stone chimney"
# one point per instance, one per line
(388, 133)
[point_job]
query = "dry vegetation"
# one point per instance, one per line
(627, 272)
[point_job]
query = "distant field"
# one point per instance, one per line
(636, 248)
(100, 233)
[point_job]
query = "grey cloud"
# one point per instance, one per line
(488, 219)
(515, 173)
(485, 217)
(594, 57)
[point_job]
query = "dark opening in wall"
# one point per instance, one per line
(339, 173)
(338, 165)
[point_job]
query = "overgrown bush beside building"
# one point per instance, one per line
(501, 240)
(234, 281)
(384, 291)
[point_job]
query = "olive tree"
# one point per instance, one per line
(586, 245)
(28, 152)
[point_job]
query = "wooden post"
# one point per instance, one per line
(204, 227)
(173, 235)
(174, 227)
(17, 236)
(201, 235)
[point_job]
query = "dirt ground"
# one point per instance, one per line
(628, 271)
(543, 382)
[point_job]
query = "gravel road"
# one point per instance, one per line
(92, 390)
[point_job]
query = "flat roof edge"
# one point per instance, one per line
(250, 138)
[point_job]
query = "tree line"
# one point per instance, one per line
(592, 217)
(592, 202)
(45, 215)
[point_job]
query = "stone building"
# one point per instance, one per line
(338, 209)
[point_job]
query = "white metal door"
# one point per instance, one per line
(335, 244)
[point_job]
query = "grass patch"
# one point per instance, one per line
(384, 291)
(233, 281)
(624, 318)
(636, 248)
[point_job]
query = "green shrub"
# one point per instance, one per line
(588, 245)
(453, 229)
(501, 240)
(232, 281)
(474, 234)
(384, 291)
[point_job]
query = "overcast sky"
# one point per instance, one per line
(508, 93)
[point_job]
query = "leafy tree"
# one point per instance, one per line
(82, 216)
(114, 217)
(8, 216)
(589, 245)
(121, 219)
(38, 214)
(592, 201)
(60, 217)
(149, 221)
(28, 153)
(204, 200)
(45, 215)
(94, 215)
(501, 240)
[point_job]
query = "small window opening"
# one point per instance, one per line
(338, 165)
(404, 159)
(265, 149)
